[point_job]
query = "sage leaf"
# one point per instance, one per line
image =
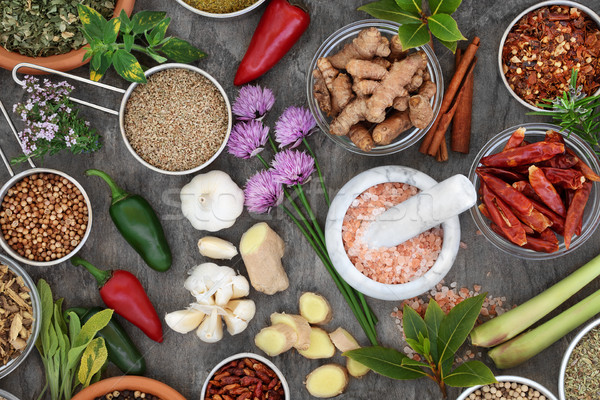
(414, 6)
(92, 326)
(47, 304)
(91, 20)
(111, 30)
(413, 324)
(128, 67)
(386, 362)
(413, 35)
(92, 360)
(126, 25)
(434, 316)
(74, 325)
(450, 45)
(470, 373)
(444, 27)
(457, 325)
(443, 6)
(181, 51)
(156, 35)
(388, 9)
(146, 20)
(128, 41)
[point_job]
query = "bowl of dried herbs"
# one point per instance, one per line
(220, 8)
(47, 33)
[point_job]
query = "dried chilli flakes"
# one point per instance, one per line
(544, 46)
(40, 28)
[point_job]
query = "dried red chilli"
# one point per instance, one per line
(546, 191)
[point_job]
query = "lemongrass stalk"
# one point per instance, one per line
(529, 344)
(510, 324)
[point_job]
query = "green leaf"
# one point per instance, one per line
(74, 325)
(128, 67)
(96, 61)
(146, 20)
(52, 342)
(157, 34)
(93, 359)
(443, 6)
(126, 25)
(413, 324)
(47, 304)
(386, 362)
(413, 35)
(449, 45)
(471, 373)
(444, 27)
(111, 30)
(413, 6)
(92, 326)
(181, 51)
(388, 9)
(128, 42)
(457, 325)
(92, 21)
(155, 56)
(415, 345)
(414, 363)
(434, 316)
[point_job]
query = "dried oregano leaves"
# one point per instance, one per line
(220, 6)
(39, 28)
(16, 319)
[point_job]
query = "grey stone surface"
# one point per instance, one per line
(182, 361)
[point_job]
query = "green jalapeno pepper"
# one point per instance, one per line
(121, 350)
(138, 223)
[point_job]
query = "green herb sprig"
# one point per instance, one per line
(437, 338)
(111, 42)
(575, 112)
(70, 353)
(416, 24)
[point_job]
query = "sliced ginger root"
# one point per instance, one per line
(276, 339)
(344, 341)
(320, 345)
(327, 381)
(298, 324)
(315, 308)
(359, 135)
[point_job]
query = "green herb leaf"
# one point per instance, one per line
(443, 6)
(126, 25)
(93, 359)
(386, 362)
(450, 45)
(413, 324)
(434, 316)
(470, 373)
(111, 30)
(47, 304)
(74, 325)
(91, 20)
(146, 20)
(415, 345)
(413, 35)
(409, 362)
(457, 325)
(92, 326)
(181, 51)
(155, 56)
(157, 34)
(388, 9)
(444, 27)
(128, 67)
(413, 6)
(128, 42)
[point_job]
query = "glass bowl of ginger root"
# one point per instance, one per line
(367, 94)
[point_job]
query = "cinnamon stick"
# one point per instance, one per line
(461, 124)
(442, 154)
(451, 92)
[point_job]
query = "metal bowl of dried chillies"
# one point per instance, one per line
(221, 8)
(543, 44)
(541, 198)
(579, 376)
(21, 318)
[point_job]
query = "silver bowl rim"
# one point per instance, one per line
(221, 16)
(512, 378)
(7, 395)
(163, 67)
(567, 356)
(12, 181)
(569, 3)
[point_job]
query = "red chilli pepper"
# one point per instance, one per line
(548, 236)
(507, 193)
(504, 218)
(584, 168)
(279, 28)
(575, 213)
(546, 191)
(516, 139)
(123, 292)
(554, 137)
(536, 220)
(504, 174)
(528, 154)
(565, 178)
(484, 211)
(525, 188)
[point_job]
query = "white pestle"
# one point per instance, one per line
(421, 212)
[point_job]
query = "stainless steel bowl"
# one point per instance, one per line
(568, 3)
(7, 395)
(511, 378)
(221, 16)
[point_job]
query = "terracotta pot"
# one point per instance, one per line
(61, 62)
(140, 383)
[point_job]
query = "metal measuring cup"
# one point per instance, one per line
(35, 170)
(127, 94)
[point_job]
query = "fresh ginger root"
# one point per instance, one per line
(401, 103)
(321, 92)
(327, 381)
(315, 308)
(300, 326)
(276, 339)
(364, 69)
(383, 62)
(262, 249)
(364, 87)
(344, 341)
(320, 345)
(341, 92)
(368, 44)
(420, 111)
(396, 50)
(352, 114)
(385, 132)
(428, 90)
(415, 82)
(359, 135)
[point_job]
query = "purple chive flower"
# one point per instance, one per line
(293, 167)
(293, 125)
(247, 139)
(262, 192)
(253, 102)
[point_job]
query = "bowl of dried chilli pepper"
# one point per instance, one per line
(538, 192)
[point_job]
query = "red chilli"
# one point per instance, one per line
(575, 213)
(546, 191)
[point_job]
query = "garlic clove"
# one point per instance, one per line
(235, 324)
(241, 287)
(184, 321)
(214, 247)
(244, 309)
(211, 329)
(223, 295)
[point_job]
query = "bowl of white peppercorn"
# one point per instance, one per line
(509, 387)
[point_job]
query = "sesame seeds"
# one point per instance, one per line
(177, 121)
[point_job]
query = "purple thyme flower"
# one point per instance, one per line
(293, 125)
(262, 192)
(247, 139)
(253, 102)
(293, 167)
